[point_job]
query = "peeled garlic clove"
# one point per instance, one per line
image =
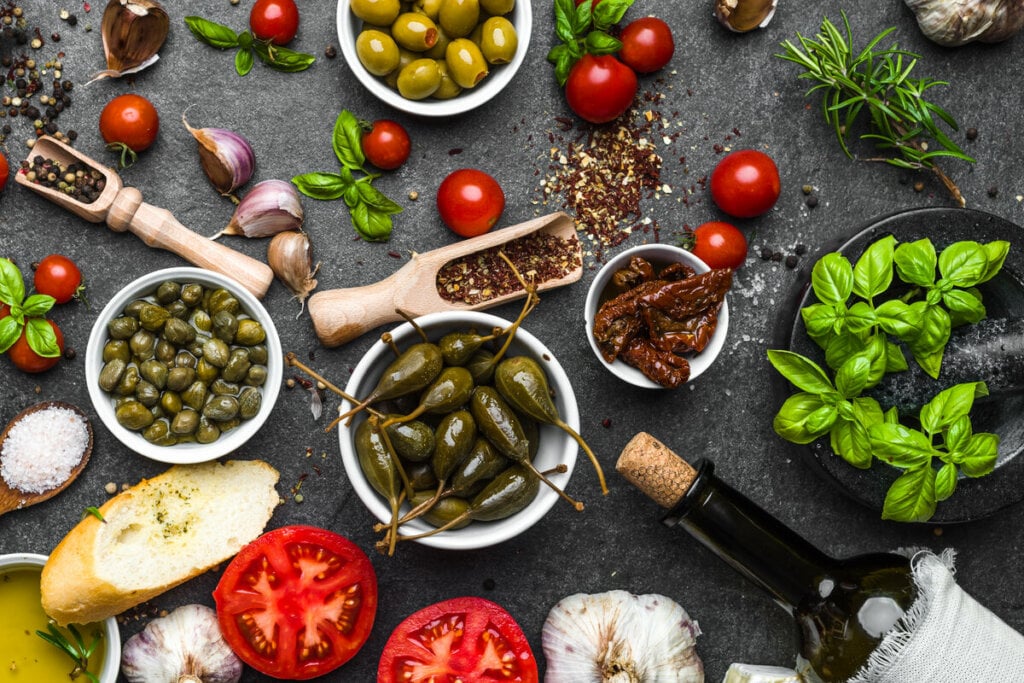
(227, 157)
(186, 645)
(618, 636)
(133, 32)
(741, 16)
(290, 256)
(272, 206)
(957, 22)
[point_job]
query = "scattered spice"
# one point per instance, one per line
(811, 201)
(42, 448)
(972, 133)
(80, 181)
(993, 191)
(484, 275)
(331, 52)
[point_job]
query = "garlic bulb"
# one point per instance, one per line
(741, 16)
(290, 256)
(621, 637)
(271, 207)
(133, 32)
(956, 22)
(186, 646)
(227, 157)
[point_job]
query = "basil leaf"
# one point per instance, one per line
(10, 330)
(895, 361)
(875, 352)
(582, 18)
(12, 287)
(980, 455)
(852, 376)
(610, 12)
(995, 252)
(245, 40)
(930, 362)
(958, 434)
(36, 305)
(911, 498)
(244, 61)
(964, 307)
(821, 320)
(950, 404)
(898, 319)
(318, 185)
(821, 420)
(600, 43)
(371, 224)
(375, 198)
(860, 317)
(213, 34)
(790, 421)
(347, 141)
(892, 416)
(804, 373)
(873, 273)
(565, 13)
(41, 338)
(351, 196)
(915, 262)
(831, 277)
(933, 334)
(900, 446)
(963, 263)
(281, 58)
(945, 482)
(841, 348)
(849, 441)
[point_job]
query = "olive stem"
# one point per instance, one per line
(586, 449)
(386, 338)
(406, 484)
(412, 322)
(554, 487)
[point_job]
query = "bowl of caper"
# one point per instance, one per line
(451, 441)
(434, 57)
(183, 365)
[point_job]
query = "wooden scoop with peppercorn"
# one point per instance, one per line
(466, 276)
(95, 192)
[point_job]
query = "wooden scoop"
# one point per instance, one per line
(13, 499)
(123, 209)
(340, 315)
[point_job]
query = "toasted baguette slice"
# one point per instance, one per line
(157, 535)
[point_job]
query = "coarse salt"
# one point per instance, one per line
(42, 448)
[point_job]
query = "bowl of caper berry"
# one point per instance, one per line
(455, 439)
(183, 365)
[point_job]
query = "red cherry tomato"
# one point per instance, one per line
(59, 277)
(298, 602)
(274, 20)
(470, 202)
(461, 639)
(720, 245)
(647, 44)
(745, 183)
(5, 170)
(27, 360)
(129, 120)
(600, 88)
(386, 145)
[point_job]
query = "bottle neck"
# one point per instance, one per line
(752, 541)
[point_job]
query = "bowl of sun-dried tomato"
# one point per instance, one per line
(657, 315)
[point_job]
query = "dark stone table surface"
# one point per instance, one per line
(721, 91)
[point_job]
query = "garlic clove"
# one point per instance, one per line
(952, 23)
(227, 157)
(618, 636)
(272, 206)
(186, 645)
(741, 16)
(133, 32)
(290, 256)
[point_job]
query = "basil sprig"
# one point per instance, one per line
(368, 207)
(583, 29)
(224, 38)
(26, 314)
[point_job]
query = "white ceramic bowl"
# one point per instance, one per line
(183, 453)
(500, 75)
(555, 445)
(112, 636)
(660, 255)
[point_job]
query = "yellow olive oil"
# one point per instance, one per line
(24, 656)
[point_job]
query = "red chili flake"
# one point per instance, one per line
(394, 254)
(718, 148)
(606, 423)
(87, 7)
(454, 150)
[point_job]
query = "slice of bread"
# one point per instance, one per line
(156, 535)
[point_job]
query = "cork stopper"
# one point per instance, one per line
(653, 468)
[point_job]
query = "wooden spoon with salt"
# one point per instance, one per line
(14, 499)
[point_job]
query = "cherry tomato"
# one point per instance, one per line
(59, 277)
(470, 202)
(745, 183)
(5, 170)
(461, 639)
(386, 145)
(720, 245)
(647, 44)
(129, 121)
(600, 88)
(274, 20)
(297, 602)
(27, 360)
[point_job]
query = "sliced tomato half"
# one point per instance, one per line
(297, 602)
(470, 640)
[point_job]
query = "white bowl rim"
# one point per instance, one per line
(664, 252)
(490, 533)
(111, 665)
(467, 100)
(186, 453)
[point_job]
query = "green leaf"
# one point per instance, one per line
(821, 420)
(900, 446)
(950, 405)
(895, 361)
(933, 334)
(324, 186)
(281, 58)
(930, 362)
(860, 317)
(916, 262)
(843, 347)
(804, 373)
(41, 338)
(898, 319)
(852, 377)
(600, 43)
(832, 278)
(375, 198)
(37, 305)
(610, 12)
(911, 498)
(791, 421)
(850, 442)
(245, 40)
(964, 307)
(12, 287)
(958, 434)
(371, 224)
(980, 455)
(244, 61)
(565, 16)
(582, 18)
(213, 34)
(821, 320)
(347, 140)
(10, 330)
(945, 482)
(963, 263)
(872, 275)
(996, 253)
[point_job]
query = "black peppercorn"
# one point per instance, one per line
(811, 201)
(791, 261)
(993, 191)
(330, 52)
(972, 134)
(800, 249)
(766, 253)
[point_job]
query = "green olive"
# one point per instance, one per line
(499, 40)
(497, 7)
(466, 63)
(133, 415)
(377, 51)
(116, 348)
(250, 332)
(427, 7)
(419, 79)
(448, 88)
(437, 52)
(167, 292)
(405, 58)
(191, 294)
(123, 327)
(414, 31)
(377, 12)
(459, 17)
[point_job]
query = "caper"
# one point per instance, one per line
(466, 63)
(191, 294)
(111, 373)
(222, 300)
(179, 310)
(133, 415)
(165, 352)
(206, 372)
(228, 425)
(208, 431)
(238, 365)
(201, 320)
(147, 394)
(133, 307)
(459, 17)
(123, 327)
(154, 372)
(497, 7)
(194, 396)
(167, 292)
(159, 433)
(448, 88)
(256, 376)
(196, 347)
(116, 348)
(258, 354)
(185, 422)
(250, 332)
(249, 402)
(419, 79)
(224, 325)
(153, 317)
(221, 408)
(499, 40)
(179, 378)
(222, 387)
(129, 380)
(377, 51)
(142, 344)
(170, 401)
(414, 31)
(376, 12)
(216, 352)
(178, 332)
(184, 359)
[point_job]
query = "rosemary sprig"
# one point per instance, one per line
(877, 82)
(76, 649)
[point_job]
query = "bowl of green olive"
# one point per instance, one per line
(453, 442)
(183, 365)
(434, 57)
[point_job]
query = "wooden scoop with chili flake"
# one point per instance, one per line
(466, 276)
(103, 197)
